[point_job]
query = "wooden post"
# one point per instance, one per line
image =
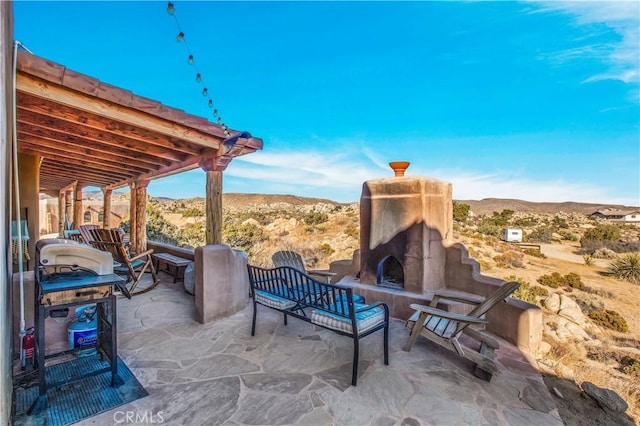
(106, 208)
(132, 214)
(68, 214)
(213, 200)
(61, 212)
(77, 207)
(140, 229)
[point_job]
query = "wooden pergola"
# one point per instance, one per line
(88, 133)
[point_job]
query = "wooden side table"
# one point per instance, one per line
(171, 264)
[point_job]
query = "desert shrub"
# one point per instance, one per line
(573, 280)
(569, 236)
(353, 232)
(588, 259)
(560, 222)
(632, 368)
(485, 265)
(243, 236)
(603, 232)
(588, 304)
(509, 259)
(460, 211)
(609, 319)
(535, 253)
(326, 249)
(525, 291)
(536, 290)
(314, 217)
(158, 228)
(604, 253)
(555, 280)
(598, 292)
(627, 268)
(490, 229)
(525, 222)
(192, 235)
(541, 235)
(591, 246)
(192, 212)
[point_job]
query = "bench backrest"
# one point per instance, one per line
(293, 284)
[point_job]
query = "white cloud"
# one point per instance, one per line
(623, 17)
(340, 176)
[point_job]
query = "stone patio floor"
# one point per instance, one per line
(300, 374)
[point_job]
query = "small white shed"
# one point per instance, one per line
(512, 235)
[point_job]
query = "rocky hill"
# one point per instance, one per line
(490, 205)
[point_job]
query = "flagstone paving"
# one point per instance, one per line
(300, 374)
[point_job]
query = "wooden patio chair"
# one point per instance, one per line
(133, 266)
(444, 328)
(85, 231)
(294, 260)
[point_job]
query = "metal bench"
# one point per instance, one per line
(333, 307)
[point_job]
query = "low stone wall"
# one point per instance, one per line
(516, 321)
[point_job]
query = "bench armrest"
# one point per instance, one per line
(446, 314)
(322, 273)
(372, 306)
(456, 296)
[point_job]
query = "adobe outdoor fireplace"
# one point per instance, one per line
(404, 222)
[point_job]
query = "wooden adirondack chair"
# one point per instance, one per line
(85, 231)
(294, 260)
(444, 328)
(133, 266)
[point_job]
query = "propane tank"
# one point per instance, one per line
(28, 350)
(82, 332)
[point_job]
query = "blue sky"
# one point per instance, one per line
(531, 100)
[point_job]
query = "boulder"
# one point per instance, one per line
(606, 398)
(552, 302)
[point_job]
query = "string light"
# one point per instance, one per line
(180, 38)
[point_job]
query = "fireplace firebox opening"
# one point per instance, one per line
(390, 273)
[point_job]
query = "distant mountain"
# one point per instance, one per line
(238, 201)
(490, 205)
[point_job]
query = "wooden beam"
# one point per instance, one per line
(79, 146)
(77, 207)
(83, 171)
(81, 160)
(105, 134)
(54, 92)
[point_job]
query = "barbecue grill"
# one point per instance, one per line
(70, 274)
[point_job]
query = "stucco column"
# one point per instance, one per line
(106, 208)
(213, 199)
